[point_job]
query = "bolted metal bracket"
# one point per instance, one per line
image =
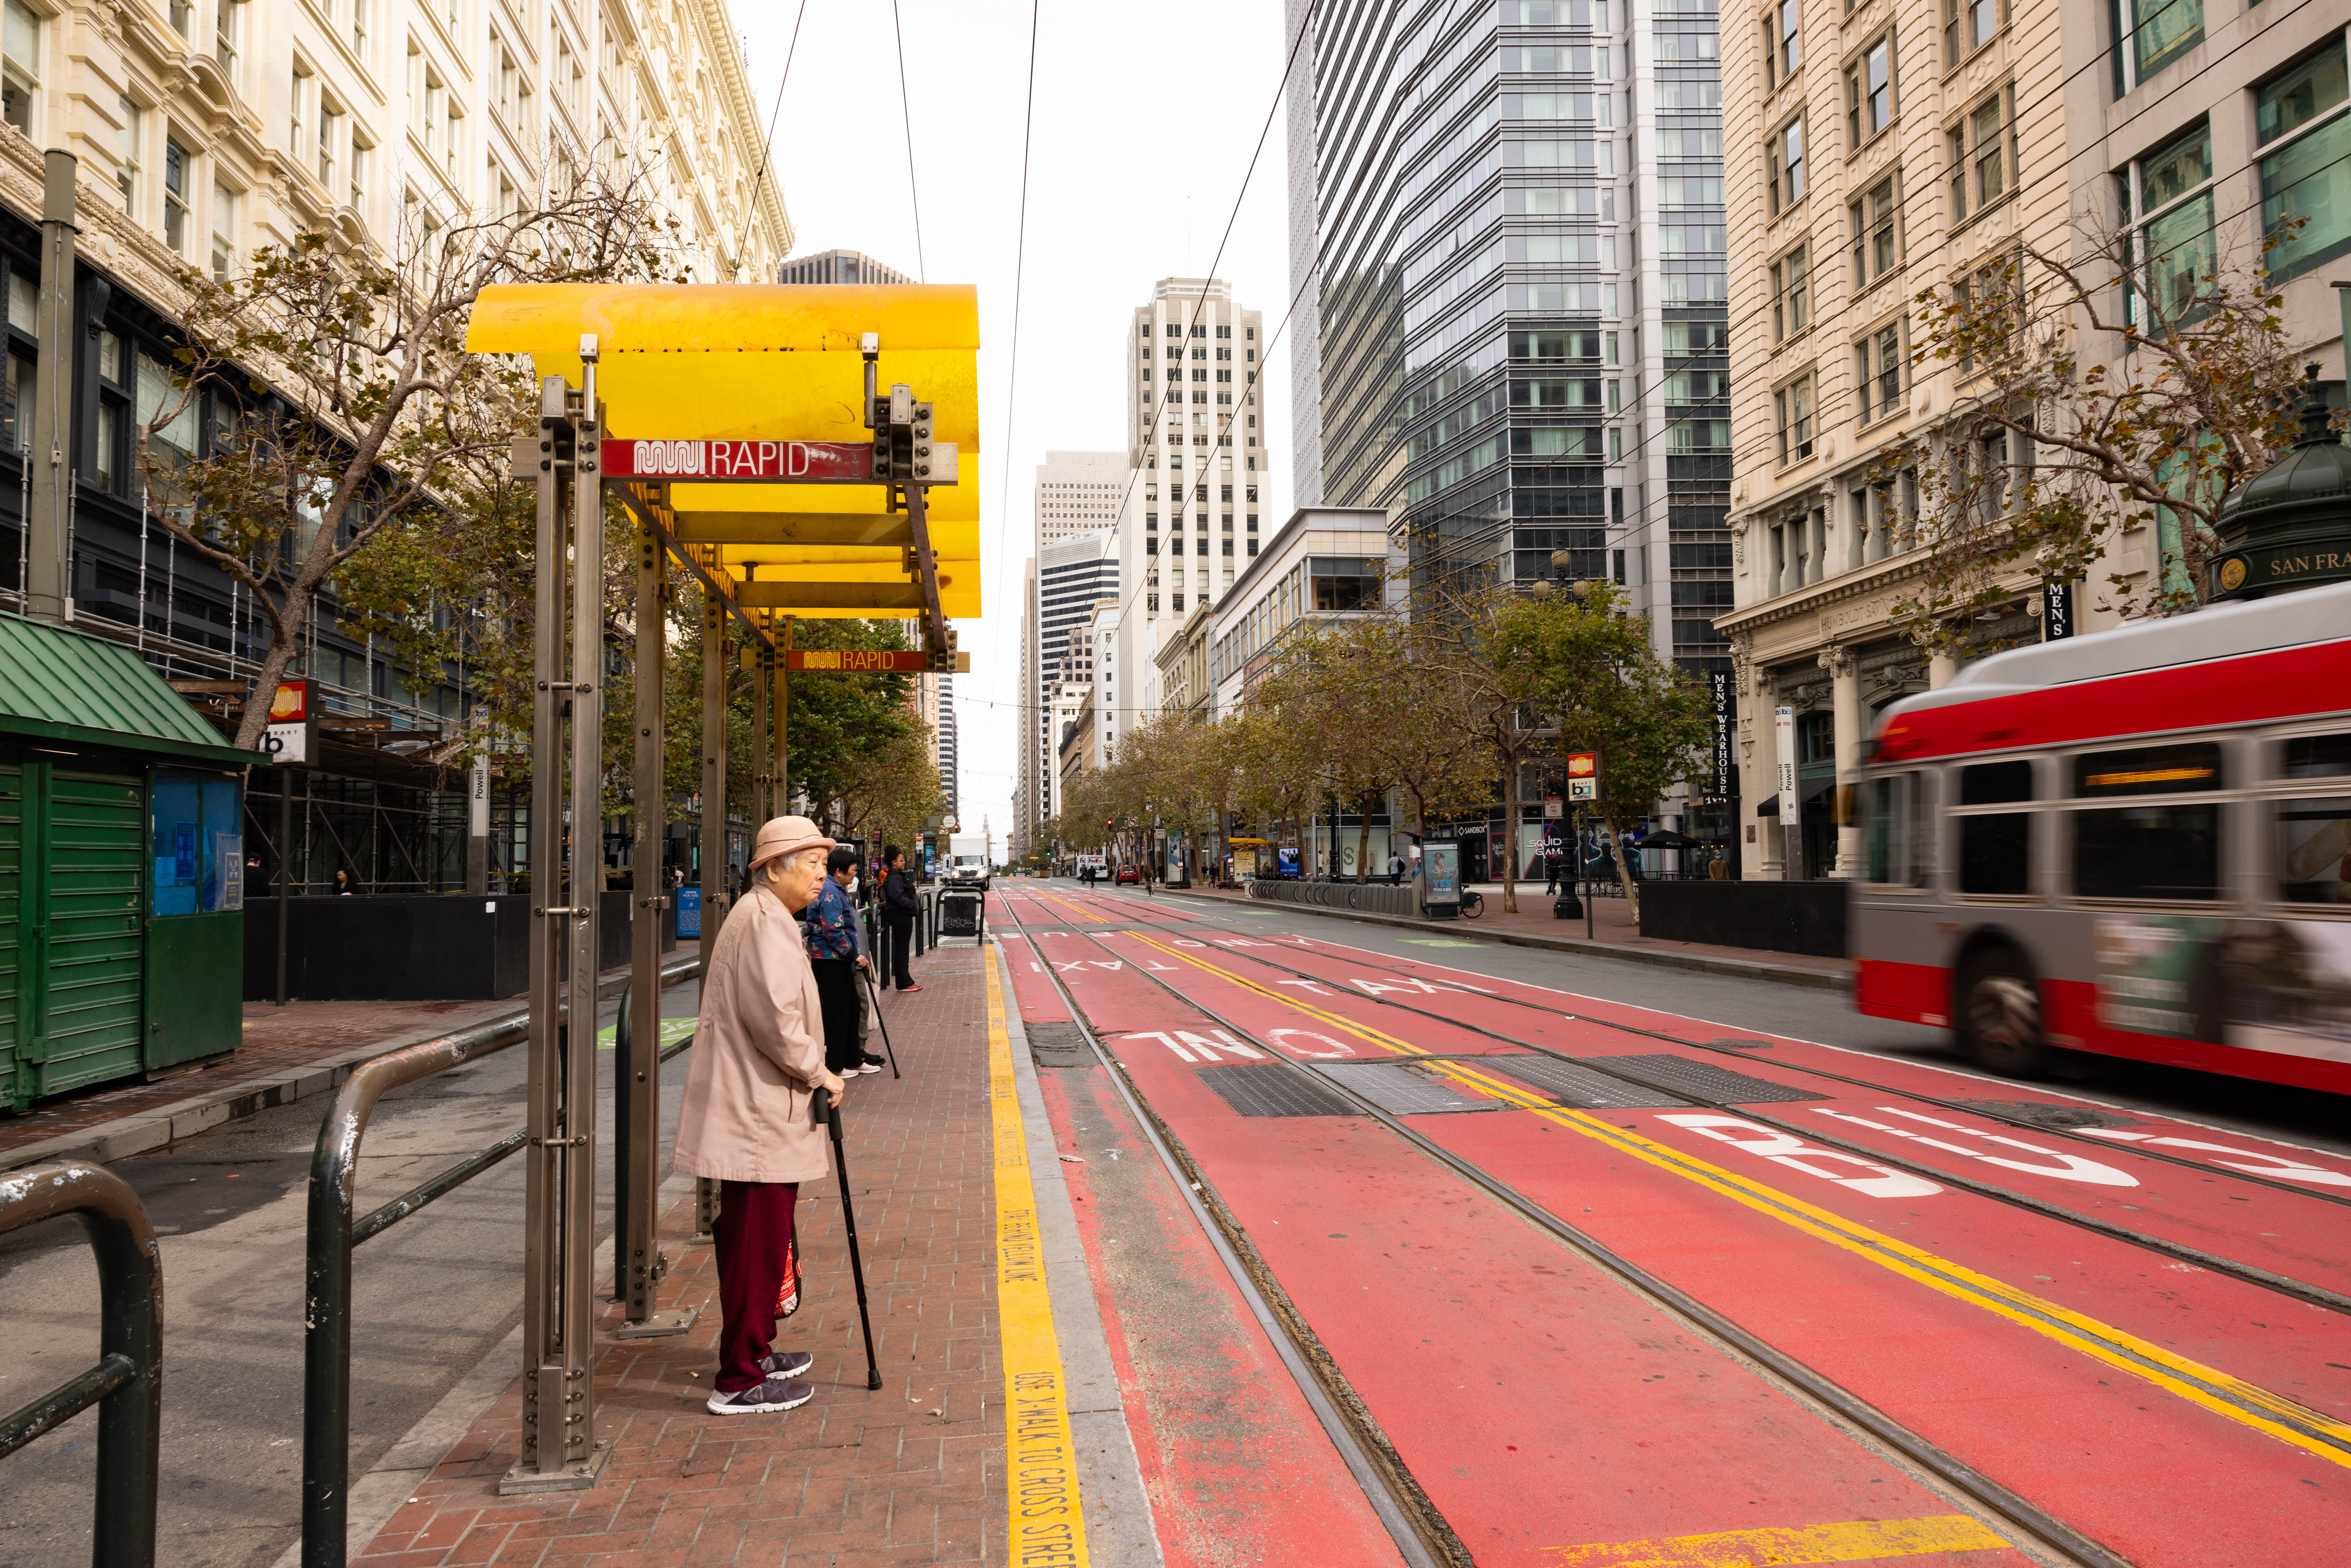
(659, 1326)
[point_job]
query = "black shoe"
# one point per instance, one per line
(787, 1362)
(875, 1063)
(774, 1394)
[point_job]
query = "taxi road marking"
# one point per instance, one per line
(2248, 1404)
(1048, 1521)
(1865, 1540)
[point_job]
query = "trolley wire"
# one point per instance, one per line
(906, 118)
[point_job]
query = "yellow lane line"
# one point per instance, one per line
(2247, 1403)
(1074, 909)
(1864, 1541)
(1048, 1522)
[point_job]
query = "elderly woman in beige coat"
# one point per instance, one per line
(748, 1122)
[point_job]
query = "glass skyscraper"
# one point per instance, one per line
(1507, 228)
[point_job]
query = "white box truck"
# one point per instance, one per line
(968, 858)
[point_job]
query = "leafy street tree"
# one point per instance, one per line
(1646, 722)
(355, 404)
(1488, 642)
(2101, 395)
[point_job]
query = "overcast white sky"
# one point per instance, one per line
(1146, 119)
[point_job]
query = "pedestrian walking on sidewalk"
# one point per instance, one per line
(1396, 869)
(748, 1122)
(899, 907)
(836, 954)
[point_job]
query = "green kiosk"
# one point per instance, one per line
(121, 869)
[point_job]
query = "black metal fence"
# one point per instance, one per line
(126, 1382)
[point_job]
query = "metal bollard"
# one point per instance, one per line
(126, 1383)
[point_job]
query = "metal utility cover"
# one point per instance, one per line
(1059, 1045)
(1273, 1091)
(2056, 1118)
(1404, 1091)
(1704, 1080)
(1580, 1087)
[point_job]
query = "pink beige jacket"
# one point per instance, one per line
(758, 1048)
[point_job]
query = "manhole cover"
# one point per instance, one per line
(1059, 1045)
(1580, 1087)
(1404, 1091)
(1742, 1044)
(1705, 1080)
(1273, 1091)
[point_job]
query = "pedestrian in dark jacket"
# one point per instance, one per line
(836, 955)
(899, 907)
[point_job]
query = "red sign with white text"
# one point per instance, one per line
(720, 462)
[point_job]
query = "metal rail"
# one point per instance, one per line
(126, 1382)
(2049, 1532)
(333, 1232)
(1403, 1511)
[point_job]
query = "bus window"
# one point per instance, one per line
(2314, 850)
(1996, 848)
(2319, 757)
(2148, 851)
(1895, 819)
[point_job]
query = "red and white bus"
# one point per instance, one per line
(2135, 844)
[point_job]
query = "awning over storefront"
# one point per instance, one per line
(1806, 790)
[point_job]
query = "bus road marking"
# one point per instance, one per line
(2069, 1167)
(2274, 1165)
(2247, 1403)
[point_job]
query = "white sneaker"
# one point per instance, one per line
(774, 1394)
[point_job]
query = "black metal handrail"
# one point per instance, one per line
(126, 1383)
(333, 1232)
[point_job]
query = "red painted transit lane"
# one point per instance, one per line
(1539, 1403)
(2299, 1236)
(1970, 1371)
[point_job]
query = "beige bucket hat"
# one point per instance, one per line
(784, 836)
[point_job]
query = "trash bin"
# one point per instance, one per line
(960, 910)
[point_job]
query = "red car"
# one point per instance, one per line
(1127, 874)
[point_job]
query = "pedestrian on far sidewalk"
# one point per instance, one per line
(836, 954)
(1396, 869)
(899, 907)
(748, 1121)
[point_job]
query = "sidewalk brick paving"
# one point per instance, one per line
(913, 1472)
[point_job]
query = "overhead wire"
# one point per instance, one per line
(766, 148)
(906, 118)
(1019, 270)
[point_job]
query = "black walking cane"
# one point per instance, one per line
(825, 1111)
(876, 995)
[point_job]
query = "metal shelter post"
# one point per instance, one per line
(780, 768)
(636, 1249)
(764, 675)
(559, 1445)
(714, 772)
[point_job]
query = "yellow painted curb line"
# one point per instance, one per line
(1864, 1541)
(1048, 1524)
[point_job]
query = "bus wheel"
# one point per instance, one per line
(2000, 1015)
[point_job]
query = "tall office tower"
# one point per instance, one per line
(1027, 778)
(1073, 576)
(1076, 493)
(838, 267)
(1508, 224)
(1197, 434)
(950, 768)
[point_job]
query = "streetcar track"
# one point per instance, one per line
(1421, 1533)
(2249, 1273)
(1333, 948)
(2047, 1533)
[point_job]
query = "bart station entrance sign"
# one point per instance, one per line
(794, 450)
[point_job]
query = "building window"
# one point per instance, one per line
(2156, 33)
(1791, 295)
(178, 177)
(1979, 155)
(20, 65)
(362, 155)
(360, 28)
(1792, 411)
(126, 145)
(2166, 199)
(224, 230)
(1878, 374)
(1784, 164)
(1869, 93)
(1967, 25)
(1783, 48)
(1877, 247)
(329, 122)
(2309, 176)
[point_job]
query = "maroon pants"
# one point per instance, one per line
(755, 1222)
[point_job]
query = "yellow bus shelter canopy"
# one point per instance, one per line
(774, 362)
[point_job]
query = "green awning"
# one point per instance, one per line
(57, 685)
